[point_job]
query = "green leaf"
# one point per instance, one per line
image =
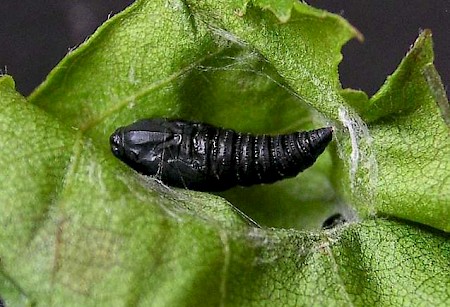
(410, 177)
(80, 228)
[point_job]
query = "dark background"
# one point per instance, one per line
(36, 34)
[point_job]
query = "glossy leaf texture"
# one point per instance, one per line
(80, 228)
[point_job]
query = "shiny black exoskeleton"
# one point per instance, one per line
(202, 157)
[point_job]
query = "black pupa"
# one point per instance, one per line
(202, 157)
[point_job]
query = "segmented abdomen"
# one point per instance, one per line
(236, 158)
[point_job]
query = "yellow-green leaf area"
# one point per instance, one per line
(410, 141)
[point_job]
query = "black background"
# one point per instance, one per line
(36, 34)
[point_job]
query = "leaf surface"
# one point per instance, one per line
(80, 228)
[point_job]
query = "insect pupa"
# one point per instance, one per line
(199, 156)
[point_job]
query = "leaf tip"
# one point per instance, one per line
(7, 80)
